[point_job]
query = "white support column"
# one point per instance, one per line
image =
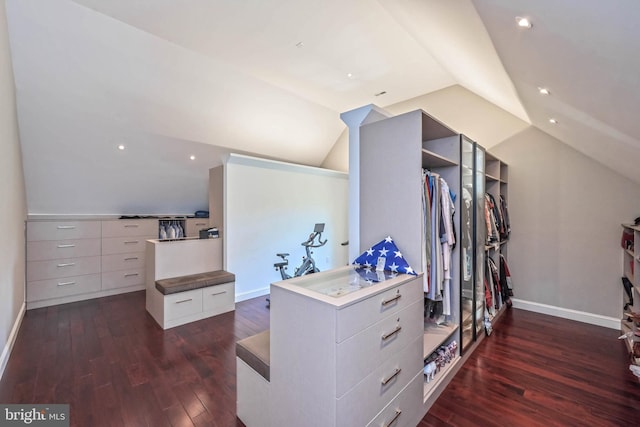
(354, 119)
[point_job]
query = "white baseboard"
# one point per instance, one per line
(567, 313)
(6, 352)
(252, 294)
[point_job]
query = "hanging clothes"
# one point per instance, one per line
(439, 240)
(505, 280)
(504, 210)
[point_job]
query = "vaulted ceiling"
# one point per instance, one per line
(171, 79)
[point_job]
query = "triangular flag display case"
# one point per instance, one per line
(394, 152)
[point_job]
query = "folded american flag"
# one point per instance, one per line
(384, 255)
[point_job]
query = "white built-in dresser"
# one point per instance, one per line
(345, 352)
(76, 258)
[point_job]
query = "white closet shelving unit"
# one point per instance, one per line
(496, 182)
(393, 152)
(631, 270)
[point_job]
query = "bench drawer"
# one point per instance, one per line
(182, 304)
(219, 298)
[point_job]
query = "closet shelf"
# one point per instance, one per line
(430, 386)
(435, 336)
(491, 178)
(433, 160)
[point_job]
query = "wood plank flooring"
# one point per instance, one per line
(116, 367)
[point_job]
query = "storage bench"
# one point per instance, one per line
(184, 299)
(253, 371)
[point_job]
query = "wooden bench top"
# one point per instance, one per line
(194, 281)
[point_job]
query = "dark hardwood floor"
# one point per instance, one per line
(116, 367)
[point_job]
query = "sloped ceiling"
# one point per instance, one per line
(170, 79)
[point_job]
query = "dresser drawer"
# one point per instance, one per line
(56, 288)
(361, 354)
(65, 267)
(130, 227)
(194, 225)
(182, 304)
(405, 410)
(380, 387)
(54, 249)
(220, 298)
(62, 230)
(122, 278)
(123, 245)
(354, 318)
(127, 261)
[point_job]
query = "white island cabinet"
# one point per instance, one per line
(346, 351)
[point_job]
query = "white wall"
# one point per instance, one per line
(272, 207)
(566, 210)
(12, 202)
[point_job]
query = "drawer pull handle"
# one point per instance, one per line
(395, 374)
(131, 226)
(218, 293)
(67, 264)
(389, 301)
(184, 300)
(133, 258)
(66, 246)
(200, 223)
(131, 242)
(66, 283)
(392, 333)
(393, 420)
(66, 227)
(131, 275)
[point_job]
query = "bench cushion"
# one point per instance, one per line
(194, 281)
(255, 352)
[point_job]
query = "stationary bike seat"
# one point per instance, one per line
(282, 255)
(280, 264)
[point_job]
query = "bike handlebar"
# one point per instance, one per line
(311, 239)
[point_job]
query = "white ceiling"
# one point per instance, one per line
(271, 77)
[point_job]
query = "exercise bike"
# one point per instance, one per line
(308, 265)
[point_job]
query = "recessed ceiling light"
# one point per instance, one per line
(192, 157)
(553, 121)
(543, 91)
(120, 147)
(350, 75)
(380, 93)
(523, 22)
